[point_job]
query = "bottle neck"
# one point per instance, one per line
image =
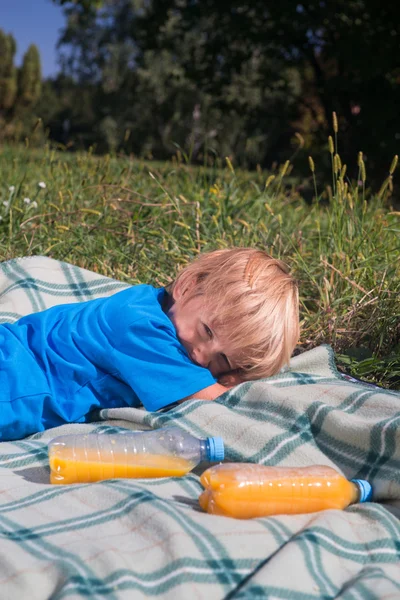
(204, 449)
(363, 490)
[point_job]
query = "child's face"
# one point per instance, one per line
(202, 340)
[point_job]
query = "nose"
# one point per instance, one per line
(201, 355)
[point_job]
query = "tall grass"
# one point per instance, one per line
(140, 222)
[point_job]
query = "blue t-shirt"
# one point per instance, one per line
(58, 365)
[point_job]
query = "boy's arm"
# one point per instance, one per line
(209, 393)
(228, 381)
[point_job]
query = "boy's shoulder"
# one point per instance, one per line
(139, 302)
(142, 295)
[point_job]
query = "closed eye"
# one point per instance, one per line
(226, 361)
(208, 330)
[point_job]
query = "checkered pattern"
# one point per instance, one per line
(124, 539)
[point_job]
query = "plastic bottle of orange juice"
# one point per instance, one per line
(168, 452)
(245, 490)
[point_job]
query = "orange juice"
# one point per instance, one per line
(80, 465)
(245, 491)
(164, 452)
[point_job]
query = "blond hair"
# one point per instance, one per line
(254, 300)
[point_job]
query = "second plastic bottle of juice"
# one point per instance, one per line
(245, 490)
(168, 452)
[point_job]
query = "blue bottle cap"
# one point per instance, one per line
(365, 489)
(215, 448)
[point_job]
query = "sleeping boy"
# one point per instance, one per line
(229, 316)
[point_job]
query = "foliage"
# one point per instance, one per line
(140, 221)
(159, 96)
(239, 80)
(30, 80)
(20, 89)
(8, 73)
(242, 78)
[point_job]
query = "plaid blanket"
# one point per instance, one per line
(124, 539)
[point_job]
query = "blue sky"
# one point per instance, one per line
(34, 22)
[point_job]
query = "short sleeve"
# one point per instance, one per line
(149, 358)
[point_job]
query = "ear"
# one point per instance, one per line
(180, 289)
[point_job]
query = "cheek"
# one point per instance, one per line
(184, 329)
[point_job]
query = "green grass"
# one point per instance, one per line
(139, 222)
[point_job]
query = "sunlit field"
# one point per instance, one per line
(140, 221)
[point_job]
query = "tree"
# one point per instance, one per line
(30, 77)
(345, 50)
(84, 4)
(163, 92)
(8, 72)
(257, 71)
